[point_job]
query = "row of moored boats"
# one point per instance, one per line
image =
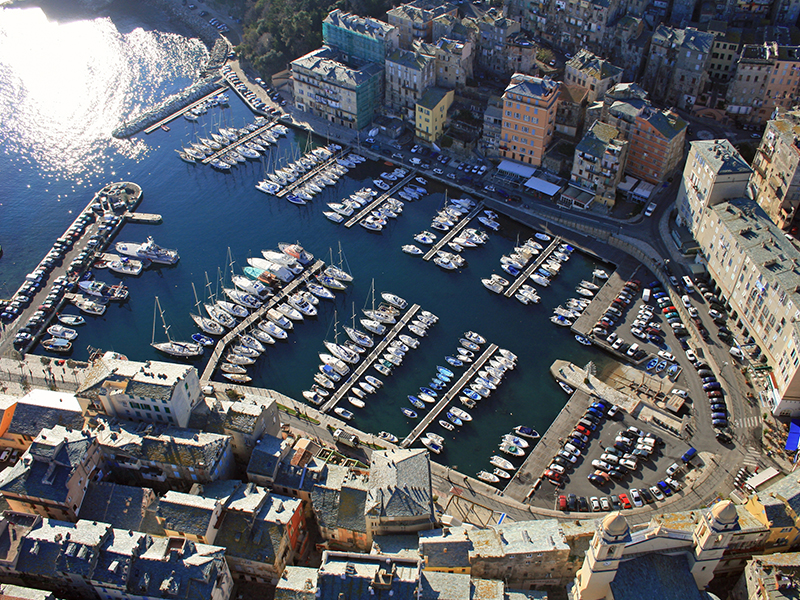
(378, 218)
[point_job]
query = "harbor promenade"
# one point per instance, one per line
(528, 271)
(256, 316)
(448, 397)
(453, 232)
(379, 199)
(353, 378)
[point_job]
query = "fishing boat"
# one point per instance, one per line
(173, 348)
(416, 402)
(461, 414)
(582, 340)
(454, 419)
(431, 445)
(451, 360)
(409, 413)
(502, 463)
(72, 320)
(527, 432)
(57, 344)
(517, 441)
(566, 387)
(488, 477)
(446, 425)
(237, 377)
(389, 437)
(428, 391)
(672, 372)
(60, 331)
(511, 449)
(344, 413)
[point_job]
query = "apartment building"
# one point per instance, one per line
(677, 65)
(758, 271)
(414, 20)
(152, 391)
(774, 577)
(452, 61)
(408, 75)
(724, 52)
(775, 183)
(766, 78)
(628, 45)
(492, 126)
(328, 87)
(592, 73)
(359, 38)
(599, 162)
(24, 418)
(714, 172)
(572, 26)
(529, 112)
(495, 31)
(431, 113)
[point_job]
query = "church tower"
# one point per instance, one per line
(602, 558)
(711, 538)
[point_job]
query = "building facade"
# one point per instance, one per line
(599, 162)
(592, 73)
(359, 38)
(414, 20)
(775, 183)
(453, 61)
(494, 34)
(431, 113)
(529, 113)
(408, 76)
(327, 87)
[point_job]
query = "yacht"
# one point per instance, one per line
(337, 364)
(300, 303)
(233, 309)
(99, 289)
(242, 298)
(279, 271)
(280, 319)
(148, 250)
(320, 291)
(425, 237)
(333, 216)
(59, 331)
(411, 249)
(289, 311)
(127, 266)
(359, 337)
(251, 286)
(373, 326)
(297, 252)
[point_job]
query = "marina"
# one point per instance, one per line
(529, 269)
(379, 199)
(455, 231)
(311, 174)
(159, 124)
(366, 362)
(238, 142)
(449, 396)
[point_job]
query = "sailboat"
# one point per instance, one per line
(178, 349)
(206, 324)
(372, 324)
(337, 272)
(216, 313)
(359, 337)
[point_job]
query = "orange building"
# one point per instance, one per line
(529, 115)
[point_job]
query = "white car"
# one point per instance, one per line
(636, 497)
(692, 311)
(628, 463)
(571, 449)
(601, 464)
(686, 301)
(736, 352)
(438, 171)
(715, 314)
(568, 456)
(691, 356)
(556, 468)
(681, 393)
(595, 503)
(672, 469)
(666, 355)
(659, 495)
(609, 458)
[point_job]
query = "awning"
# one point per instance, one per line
(643, 190)
(793, 440)
(516, 168)
(627, 184)
(761, 478)
(540, 185)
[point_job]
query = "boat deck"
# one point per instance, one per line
(380, 198)
(146, 218)
(528, 271)
(239, 142)
(256, 316)
(448, 396)
(310, 174)
(460, 226)
(179, 113)
(367, 361)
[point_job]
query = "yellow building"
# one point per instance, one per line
(432, 113)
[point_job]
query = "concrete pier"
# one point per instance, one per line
(379, 199)
(309, 175)
(238, 142)
(252, 320)
(448, 396)
(453, 232)
(180, 112)
(367, 362)
(528, 271)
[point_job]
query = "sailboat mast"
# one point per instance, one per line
(155, 305)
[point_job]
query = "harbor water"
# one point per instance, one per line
(59, 106)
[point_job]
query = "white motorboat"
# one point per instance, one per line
(373, 381)
(273, 330)
(425, 237)
(242, 298)
(280, 319)
(600, 274)
(73, 320)
(461, 414)
(389, 437)
(333, 216)
(323, 381)
(487, 477)
(517, 441)
(343, 413)
(59, 331)
(338, 365)
(148, 250)
(233, 309)
(411, 249)
(357, 402)
(492, 285)
(127, 266)
(589, 285)
(284, 260)
(262, 336)
(300, 303)
(359, 337)
(373, 326)
(394, 300)
(431, 445)
(342, 353)
(289, 311)
(251, 286)
(367, 387)
(279, 271)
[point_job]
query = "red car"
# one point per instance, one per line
(583, 430)
(669, 309)
(552, 476)
(562, 503)
(626, 503)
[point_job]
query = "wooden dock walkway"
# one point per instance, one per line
(379, 199)
(255, 317)
(310, 174)
(460, 226)
(528, 270)
(362, 367)
(239, 142)
(448, 397)
(179, 113)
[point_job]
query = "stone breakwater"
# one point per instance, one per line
(220, 47)
(167, 107)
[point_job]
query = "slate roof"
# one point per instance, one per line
(122, 506)
(532, 87)
(186, 513)
(721, 156)
(405, 545)
(265, 456)
(177, 568)
(30, 419)
(296, 583)
(243, 417)
(662, 576)
(341, 500)
(600, 137)
(685, 39)
(773, 497)
(55, 546)
(400, 484)
(363, 25)
(432, 97)
(352, 574)
(593, 66)
(328, 65)
(10, 591)
(409, 59)
(444, 586)
(116, 555)
(445, 548)
(667, 123)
